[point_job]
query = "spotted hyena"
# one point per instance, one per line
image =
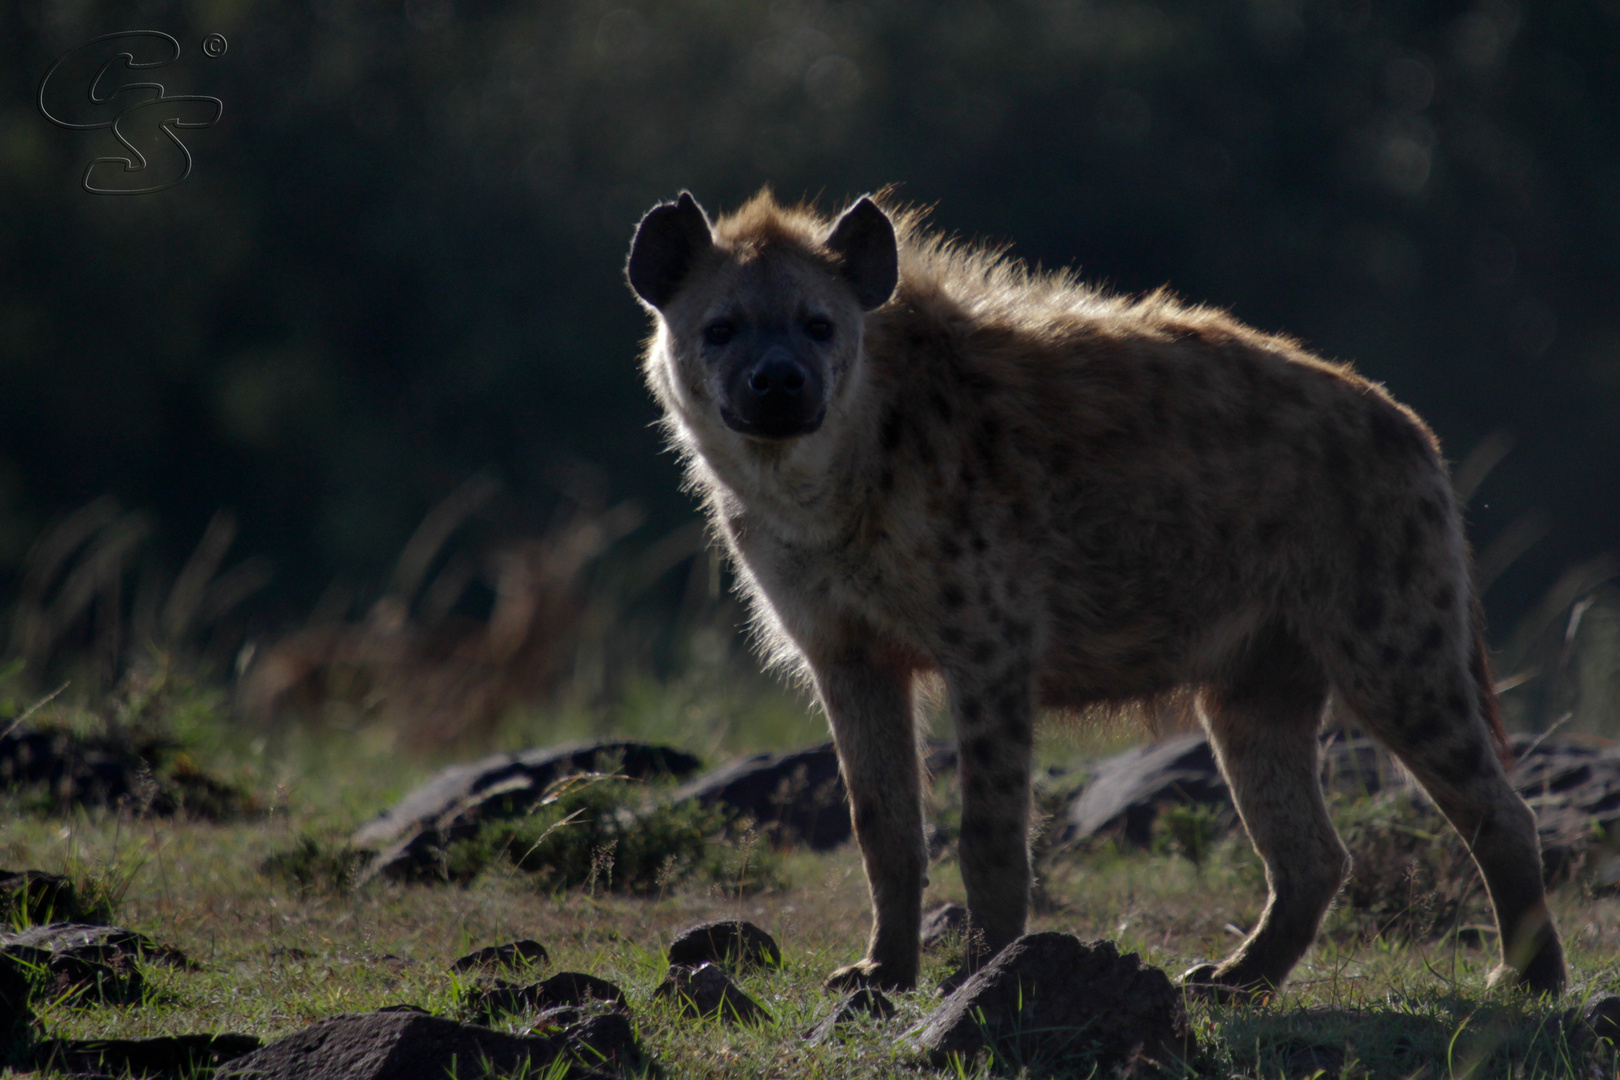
(928, 457)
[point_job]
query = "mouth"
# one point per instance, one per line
(778, 428)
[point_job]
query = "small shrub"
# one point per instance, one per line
(1411, 878)
(314, 866)
(1189, 830)
(598, 835)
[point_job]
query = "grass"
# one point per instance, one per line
(276, 952)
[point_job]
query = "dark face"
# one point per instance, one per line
(762, 340)
(772, 370)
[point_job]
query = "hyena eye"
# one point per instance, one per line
(718, 332)
(819, 329)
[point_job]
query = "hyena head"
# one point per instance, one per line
(761, 315)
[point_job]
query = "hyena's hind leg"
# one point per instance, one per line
(1262, 721)
(1438, 721)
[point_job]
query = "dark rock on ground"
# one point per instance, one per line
(88, 941)
(1571, 783)
(1595, 1023)
(118, 769)
(796, 798)
(15, 1015)
(1048, 999)
(399, 1046)
(408, 837)
(606, 1041)
(867, 1003)
(1126, 792)
(513, 954)
(940, 923)
(79, 980)
(731, 942)
(168, 1056)
(707, 992)
(562, 990)
(34, 896)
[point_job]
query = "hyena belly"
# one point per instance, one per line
(927, 458)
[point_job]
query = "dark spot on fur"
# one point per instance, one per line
(892, 430)
(1369, 612)
(1426, 728)
(1432, 512)
(1461, 764)
(1008, 784)
(984, 651)
(949, 549)
(952, 635)
(1390, 654)
(1404, 566)
(886, 480)
(981, 750)
(1368, 556)
(972, 712)
(980, 546)
(1432, 639)
(1457, 703)
(951, 596)
(942, 407)
(1446, 598)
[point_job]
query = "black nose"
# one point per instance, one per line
(777, 375)
(778, 396)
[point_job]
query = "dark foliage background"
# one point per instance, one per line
(397, 260)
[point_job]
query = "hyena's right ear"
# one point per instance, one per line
(668, 241)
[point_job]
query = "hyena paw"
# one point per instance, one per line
(1539, 978)
(872, 973)
(1209, 982)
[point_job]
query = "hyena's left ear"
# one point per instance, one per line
(668, 241)
(863, 238)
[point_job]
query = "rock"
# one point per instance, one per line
(80, 980)
(941, 923)
(796, 798)
(562, 990)
(514, 954)
(707, 992)
(1126, 792)
(408, 837)
(1596, 1022)
(15, 1016)
(1048, 999)
(33, 896)
(606, 1040)
(170, 1055)
(399, 1046)
(730, 942)
(87, 941)
(113, 769)
(867, 1003)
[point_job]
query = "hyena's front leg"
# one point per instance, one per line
(994, 716)
(870, 709)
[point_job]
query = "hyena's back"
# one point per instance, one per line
(1163, 484)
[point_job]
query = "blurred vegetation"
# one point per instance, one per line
(396, 265)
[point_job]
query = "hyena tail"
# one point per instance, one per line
(1486, 688)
